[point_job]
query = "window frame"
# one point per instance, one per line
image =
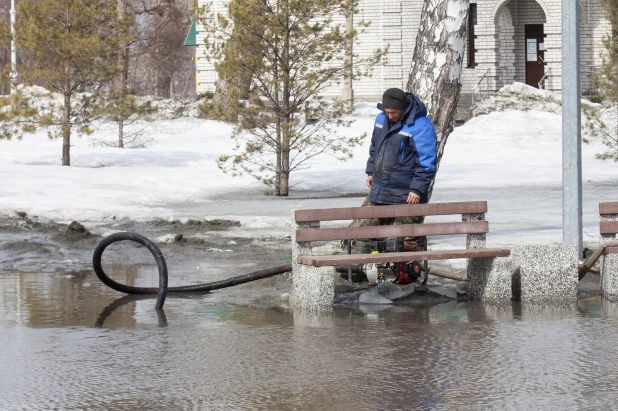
(472, 19)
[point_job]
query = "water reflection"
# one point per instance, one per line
(109, 310)
(71, 343)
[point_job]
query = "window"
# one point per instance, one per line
(471, 24)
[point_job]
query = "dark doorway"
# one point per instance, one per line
(535, 54)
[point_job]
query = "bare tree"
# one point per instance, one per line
(154, 59)
(5, 52)
(170, 64)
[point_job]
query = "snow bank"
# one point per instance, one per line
(522, 97)
(43, 100)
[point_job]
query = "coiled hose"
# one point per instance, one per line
(163, 289)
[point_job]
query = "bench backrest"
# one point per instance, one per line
(606, 211)
(472, 212)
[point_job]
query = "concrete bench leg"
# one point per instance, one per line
(609, 265)
(609, 277)
(545, 273)
(314, 287)
(489, 279)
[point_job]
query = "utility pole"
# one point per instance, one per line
(571, 128)
(13, 49)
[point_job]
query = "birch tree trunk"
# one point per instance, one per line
(435, 76)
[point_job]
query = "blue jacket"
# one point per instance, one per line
(402, 156)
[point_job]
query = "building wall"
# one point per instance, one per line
(394, 23)
(499, 42)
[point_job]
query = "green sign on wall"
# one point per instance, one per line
(191, 39)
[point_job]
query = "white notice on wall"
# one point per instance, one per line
(531, 50)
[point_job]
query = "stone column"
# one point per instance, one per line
(314, 287)
(609, 265)
(488, 278)
(545, 273)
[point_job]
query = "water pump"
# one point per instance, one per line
(403, 272)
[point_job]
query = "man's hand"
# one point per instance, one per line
(369, 180)
(413, 198)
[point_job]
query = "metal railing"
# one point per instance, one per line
(479, 86)
(542, 80)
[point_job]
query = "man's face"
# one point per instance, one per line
(393, 114)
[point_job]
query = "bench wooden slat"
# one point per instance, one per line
(608, 227)
(610, 250)
(608, 208)
(405, 210)
(391, 231)
(329, 260)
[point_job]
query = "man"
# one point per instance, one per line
(402, 154)
(402, 162)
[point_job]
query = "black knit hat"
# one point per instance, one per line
(394, 98)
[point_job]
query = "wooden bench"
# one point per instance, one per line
(488, 269)
(608, 226)
(472, 224)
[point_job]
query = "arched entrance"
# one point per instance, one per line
(535, 53)
(520, 31)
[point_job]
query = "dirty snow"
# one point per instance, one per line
(514, 149)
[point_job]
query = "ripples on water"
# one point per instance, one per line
(68, 343)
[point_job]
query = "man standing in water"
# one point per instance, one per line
(402, 154)
(402, 161)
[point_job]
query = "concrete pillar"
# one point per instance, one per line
(609, 265)
(313, 287)
(488, 278)
(545, 273)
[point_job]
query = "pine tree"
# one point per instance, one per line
(601, 127)
(292, 51)
(68, 47)
(225, 102)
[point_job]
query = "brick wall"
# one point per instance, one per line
(499, 42)
(394, 23)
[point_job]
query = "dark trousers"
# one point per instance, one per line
(385, 221)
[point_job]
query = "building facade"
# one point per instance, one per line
(508, 41)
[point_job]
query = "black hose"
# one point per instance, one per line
(98, 269)
(163, 278)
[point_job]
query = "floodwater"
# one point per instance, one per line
(70, 343)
